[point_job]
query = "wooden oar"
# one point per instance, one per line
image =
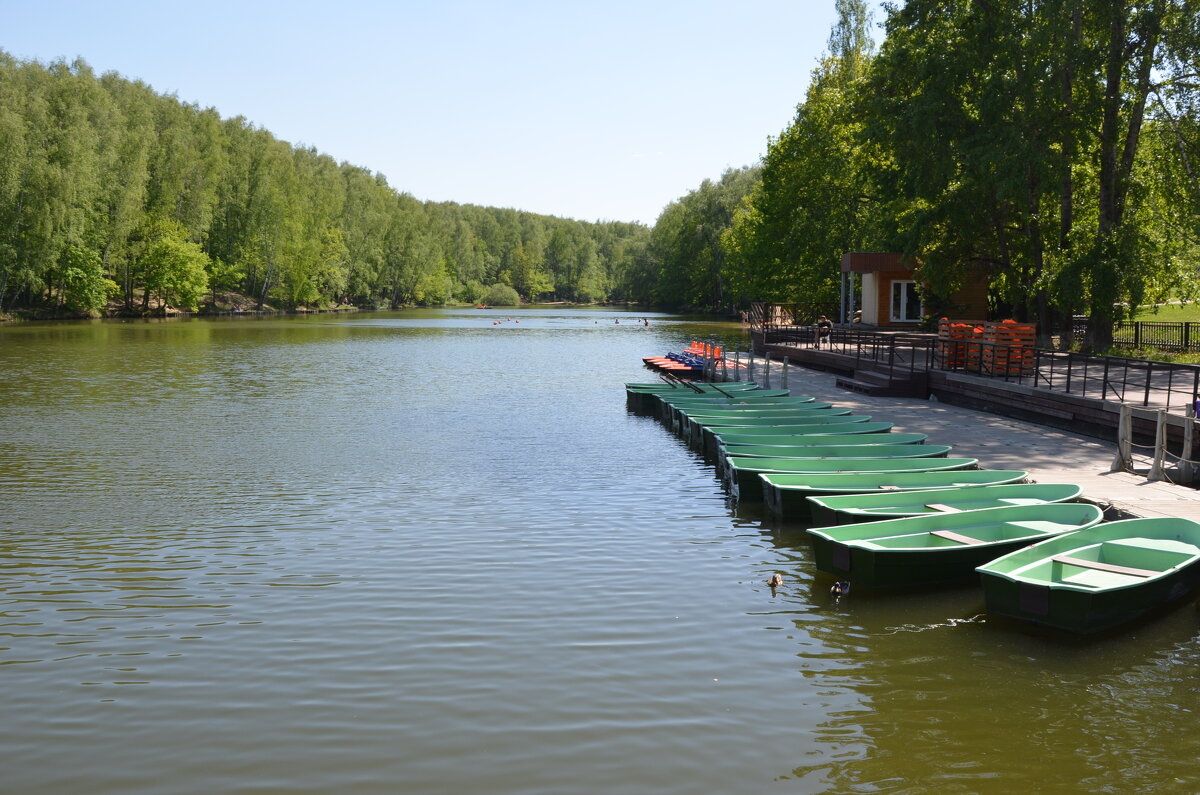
(677, 380)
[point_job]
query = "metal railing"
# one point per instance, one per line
(1138, 382)
(1175, 336)
(770, 317)
(899, 355)
(1118, 379)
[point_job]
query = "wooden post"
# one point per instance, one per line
(842, 302)
(1187, 470)
(1160, 447)
(783, 383)
(737, 362)
(852, 280)
(749, 365)
(767, 370)
(1121, 462)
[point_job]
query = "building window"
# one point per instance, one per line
(906, 304)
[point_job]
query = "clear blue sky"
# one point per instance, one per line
(594, 111)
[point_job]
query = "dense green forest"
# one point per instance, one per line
(1054, 144)
(112, 193)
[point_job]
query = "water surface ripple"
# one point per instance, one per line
(421, 552)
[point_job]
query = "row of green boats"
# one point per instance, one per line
(895, 511)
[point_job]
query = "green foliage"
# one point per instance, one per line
(173, 269)
(787, 240)
(471, 293)
(814, 201)
(104, 169)
(501, 295)
(84, 287)
(1017, 137)
(1174, 313)
(685, 252)
(223, 276)
(1052, 145)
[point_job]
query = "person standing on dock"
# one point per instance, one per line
(824, 329)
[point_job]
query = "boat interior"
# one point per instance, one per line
(1117, 562)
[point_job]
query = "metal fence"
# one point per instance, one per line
(1157, 334)
(1118, 379)
(774, 317)
(898, 353)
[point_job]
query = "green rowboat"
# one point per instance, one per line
(719, 392)
(690, 386)
(839, 451)
(941, 548)
(787, 495)
(851, 426)
(808, 439)
(775, 410)
(872, 435)
(739, 398)
(643, 397)
(1097, 578)
(691, 426)
(706, 436)
(849, 508)
(667, 405)
(750, 397)
(681, 419)
(778, 410)
(742, 473)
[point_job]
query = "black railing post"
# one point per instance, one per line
(1149, 374)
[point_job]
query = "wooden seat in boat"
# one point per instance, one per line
(1095, 564)
(953, 536)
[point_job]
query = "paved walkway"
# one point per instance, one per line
(1050, 455)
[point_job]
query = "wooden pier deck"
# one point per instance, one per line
(1049, 454)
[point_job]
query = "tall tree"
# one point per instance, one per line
(686, 243)
(814, 202)
(1006, 129)
(93, 170)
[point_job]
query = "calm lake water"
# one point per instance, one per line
(419, 552)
